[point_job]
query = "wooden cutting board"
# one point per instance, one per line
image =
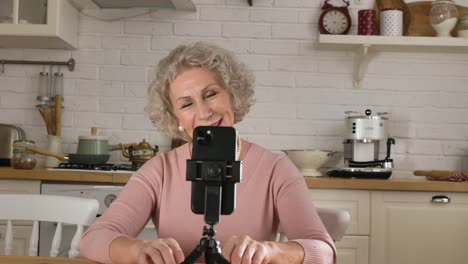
(420, 23)
(435, 173)
(452, 176)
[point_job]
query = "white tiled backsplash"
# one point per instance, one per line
(302, 92)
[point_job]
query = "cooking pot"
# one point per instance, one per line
(139, 154)
(94, 144)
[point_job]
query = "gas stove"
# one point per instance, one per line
(111, 168)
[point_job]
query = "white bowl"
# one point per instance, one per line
(308, 161)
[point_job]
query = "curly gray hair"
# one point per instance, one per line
(233, 75)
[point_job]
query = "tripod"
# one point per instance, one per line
(213, 171)
(211, 248)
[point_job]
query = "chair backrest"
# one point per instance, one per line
(51, 208)
(335, 220)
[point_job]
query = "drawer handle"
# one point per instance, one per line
(440, 199)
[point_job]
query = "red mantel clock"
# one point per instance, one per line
(334, 19)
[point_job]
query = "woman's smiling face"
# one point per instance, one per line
(198, 99)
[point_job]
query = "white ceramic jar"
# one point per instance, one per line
(55, 146)
(391, 22)
(444, 17)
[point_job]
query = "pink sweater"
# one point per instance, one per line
(272, 192)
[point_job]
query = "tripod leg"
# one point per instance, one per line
(197, 251)
(215, 258)
(213, 253)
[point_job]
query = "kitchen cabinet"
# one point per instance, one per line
(38, 24)
(20, 186)
(21, 229)
(21, 237)
(365, 46)
(419, 227)
(400, 227)
(354, 246)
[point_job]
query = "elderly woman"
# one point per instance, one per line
(204, 85)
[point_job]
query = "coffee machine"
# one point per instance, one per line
(364, 134)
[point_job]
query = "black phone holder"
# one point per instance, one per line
(213, 174)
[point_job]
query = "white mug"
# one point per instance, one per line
(391, 22)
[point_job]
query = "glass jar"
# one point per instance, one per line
(463, 26)
(444, 16)
(22, 157)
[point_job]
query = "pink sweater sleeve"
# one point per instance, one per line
(127, 215)
(298, 217)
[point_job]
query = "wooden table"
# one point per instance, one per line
(43, 260)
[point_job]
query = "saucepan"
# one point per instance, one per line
(79, 158)
(88, 159)
(92, 149)
(94, 144)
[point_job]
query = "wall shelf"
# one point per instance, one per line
(365, 45)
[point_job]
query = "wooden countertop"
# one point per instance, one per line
(312, 182)
(386, 185)
(65, 176)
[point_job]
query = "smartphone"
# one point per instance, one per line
(214, 144)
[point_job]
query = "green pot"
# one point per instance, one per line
(95, 145)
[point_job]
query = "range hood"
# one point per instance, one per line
(166, 4)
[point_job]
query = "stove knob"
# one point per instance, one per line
(109, 199)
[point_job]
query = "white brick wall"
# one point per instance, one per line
(302, 91)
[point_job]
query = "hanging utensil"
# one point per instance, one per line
(43, 97)
(58, 115)
(47, 115)
(57, 91)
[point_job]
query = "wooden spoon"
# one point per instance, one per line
(58, 115)
(45, 152)
(47, 117)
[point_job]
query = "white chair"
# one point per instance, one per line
(51, 208)
(336, 222)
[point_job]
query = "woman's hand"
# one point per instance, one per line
(245, 250)
(124, 250)
(164, 251)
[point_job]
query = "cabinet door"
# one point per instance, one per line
(415, 227)
(21, 236)
(38, 24)
(20, 186)
(356, 202)
(21, 229)
(353, 250)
